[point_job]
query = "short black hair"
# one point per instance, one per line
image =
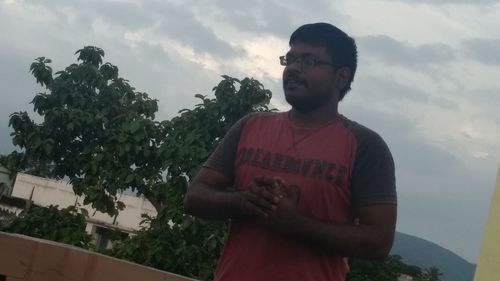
(340, 46)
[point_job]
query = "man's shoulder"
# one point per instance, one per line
(265, 114)
(361, 132)
(263, 117)
(254, 120)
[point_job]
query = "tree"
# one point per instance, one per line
(430, 274)
(61, 225)
(96, 130)
(388, 269)
(101, 134)
(173, 241)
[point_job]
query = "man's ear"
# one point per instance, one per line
(342, 77)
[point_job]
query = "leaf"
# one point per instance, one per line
(47, 148)
(84, 212)
(134, 126)
(120, 205)
(129, 178)
(93, 168)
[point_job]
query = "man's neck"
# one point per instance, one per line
(313, 118)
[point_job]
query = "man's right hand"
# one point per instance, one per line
(260, 197)
(208, 196)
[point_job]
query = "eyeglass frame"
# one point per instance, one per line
(300, 60)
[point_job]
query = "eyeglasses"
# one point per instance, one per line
(303, 61)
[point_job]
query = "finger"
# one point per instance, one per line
(279, 181)
(280, 187)
(260, 201)
(263, 192)
(251, 209)
(264, 180)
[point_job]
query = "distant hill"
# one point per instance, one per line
(425, 254)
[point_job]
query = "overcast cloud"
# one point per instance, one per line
(427, 79)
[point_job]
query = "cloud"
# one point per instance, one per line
(178, 22)
(446, 2)
(252, 17)
(171, 79)
(269, 17)
(127, 14)
(170, 21)
(396, 52)
(378, 89)
(485, 50)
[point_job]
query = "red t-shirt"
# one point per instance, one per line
(339, 167)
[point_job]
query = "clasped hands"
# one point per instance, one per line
(271, 199)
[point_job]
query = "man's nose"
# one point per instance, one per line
(293, 67)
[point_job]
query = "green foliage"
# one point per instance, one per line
(6, 217)
(388, 269)
(430, 274)
(96, 130)
(191, 248)
(101, 134)
(174, 241)
(65, 225)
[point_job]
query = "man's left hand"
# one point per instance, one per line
(284, 217)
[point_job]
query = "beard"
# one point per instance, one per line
(303, 96)
(308, 103)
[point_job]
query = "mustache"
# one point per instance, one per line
(294, 78)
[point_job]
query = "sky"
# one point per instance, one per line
(427, 79)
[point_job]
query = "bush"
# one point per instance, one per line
(60, 225)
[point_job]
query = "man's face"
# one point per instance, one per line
(309, 87)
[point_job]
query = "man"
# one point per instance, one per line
(306, 188)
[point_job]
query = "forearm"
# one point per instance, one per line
(210, 203)
(363, 241)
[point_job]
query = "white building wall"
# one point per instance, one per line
(45, 192)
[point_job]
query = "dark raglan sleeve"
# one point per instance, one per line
(373, 178)
(224, 155)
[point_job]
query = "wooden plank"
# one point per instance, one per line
(24, 258)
